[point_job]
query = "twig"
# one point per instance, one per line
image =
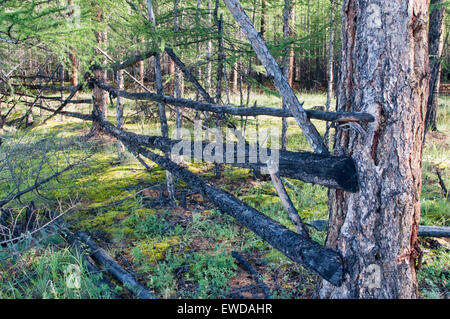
(442, 183)
(253, 272)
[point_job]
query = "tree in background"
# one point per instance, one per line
(435, 49)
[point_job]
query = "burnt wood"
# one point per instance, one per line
(330, 171)
(233, 110)
(324, 262)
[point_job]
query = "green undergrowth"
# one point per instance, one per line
(178, 252)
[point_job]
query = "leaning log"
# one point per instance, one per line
(233, 110)
(324, 262)
(279, 80)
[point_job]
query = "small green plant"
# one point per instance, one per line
(49, 273)
(211, 273)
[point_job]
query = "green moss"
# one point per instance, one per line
(260, 200)
(103, 222)
(151, 251)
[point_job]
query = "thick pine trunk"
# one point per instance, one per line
(383, 72)
(436, 46)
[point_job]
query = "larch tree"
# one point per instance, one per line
(435, 49)
(99, 96)
(288, 59)
(384, 72)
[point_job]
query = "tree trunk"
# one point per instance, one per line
(61, 82)
(73, 58)
(375, 230)
(119, 111)
(209, 51)
(161, 106)
(330, 70)
(74, 62)
(141, 68)
(435, 48)
(263, 19)
(178, 74)
(99, 96)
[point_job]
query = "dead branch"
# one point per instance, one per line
(286, 200)
(424, 231)
(36, 185)
(253, 272)
(233, 110)
(310, 254)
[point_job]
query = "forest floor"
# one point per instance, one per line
(181, 251)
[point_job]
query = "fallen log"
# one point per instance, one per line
(434, 231)
(330, 171)
(322, 261)
(233, 110)
(424, 231)
(77, 248)
(47, 87)
(81, 116)
(114, 268)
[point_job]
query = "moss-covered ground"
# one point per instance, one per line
(181, 250)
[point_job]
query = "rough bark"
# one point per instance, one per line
(435, 49)
(384, 66)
